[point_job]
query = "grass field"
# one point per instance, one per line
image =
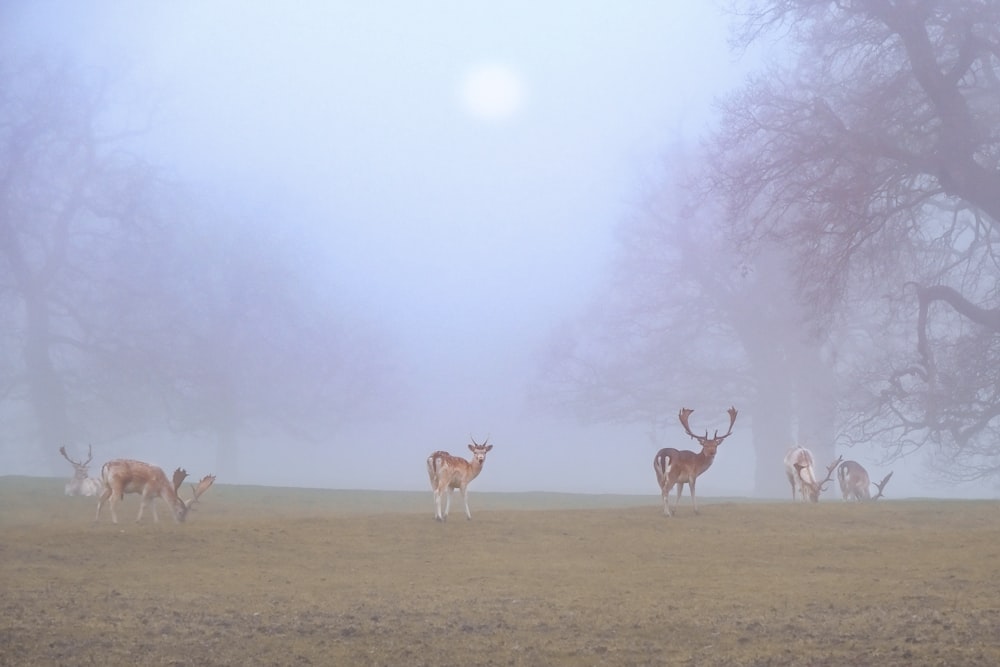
(270, 576)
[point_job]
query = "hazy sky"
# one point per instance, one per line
(465, 164)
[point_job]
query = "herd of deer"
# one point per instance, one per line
(674, 467)
(122, 476)
(447, 473)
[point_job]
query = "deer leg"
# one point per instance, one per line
(465, 499)
(694, 499)
(100, 503)
(665, 493)
(115, 499)
(437, 505)
(447, 502)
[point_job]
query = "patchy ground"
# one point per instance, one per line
(303, 577)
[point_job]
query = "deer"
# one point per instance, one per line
(854, 481)
(856, 484)
(122, 476)
(81, 484)
(802, 476)
(680, 466)
(448, 473)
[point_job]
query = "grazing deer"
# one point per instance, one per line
(799, 469)
(448, 473)
(681, 466)
(123, 476)
(81, 484)
(855, 483)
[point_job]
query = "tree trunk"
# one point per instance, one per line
(772, 436)
(45, 389)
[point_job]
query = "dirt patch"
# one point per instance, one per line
(318, 579)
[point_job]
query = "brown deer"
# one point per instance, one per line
(122, 476)
(855, 483)
(81, 484)
(802, 476)
(680, 466)
(448, 473)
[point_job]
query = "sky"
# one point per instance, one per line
(465, 164)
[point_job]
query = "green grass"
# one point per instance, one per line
(270, 576)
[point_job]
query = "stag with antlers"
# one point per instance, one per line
(81, 484)
(123, 476)
(680, 466)
(448, 473)
(855, 484)
(802, 476)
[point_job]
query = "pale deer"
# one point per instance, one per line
(680, 466)
(448, 473)
(81, 484)
(802, 476)
(123, 476)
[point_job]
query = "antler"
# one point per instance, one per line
(478, 444)
(203, 486)
(685, 413)
(683, 416)
(179, 476)
(830, 469)
(732, 420)
(829, 472)
(90, 455)
(881, 486)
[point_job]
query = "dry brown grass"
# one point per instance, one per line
(293, 577)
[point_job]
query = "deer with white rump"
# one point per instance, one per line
(81, 484)
(802, 476)
(680, 466)
(448, 473)
(123, 476)
(855, 483)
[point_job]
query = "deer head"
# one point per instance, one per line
(185, 505)
(79, 466)
(479, 450)
(813, 488)
(708, 445)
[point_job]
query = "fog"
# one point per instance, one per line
(464, 169)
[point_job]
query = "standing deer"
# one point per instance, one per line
(448, 473)
(681, 466)
(122, 476)
(81, 484)
(802, 477)
(855, 483)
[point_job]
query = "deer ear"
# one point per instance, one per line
(471, 448)
(488, 448)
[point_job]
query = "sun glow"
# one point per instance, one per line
(492, 92)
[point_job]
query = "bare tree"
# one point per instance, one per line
(71, 196)
(875, 155)
(131, 303)
(686, 317)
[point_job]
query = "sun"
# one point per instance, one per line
(491, 92)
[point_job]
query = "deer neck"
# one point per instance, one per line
(475, 467)
(704, 460)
